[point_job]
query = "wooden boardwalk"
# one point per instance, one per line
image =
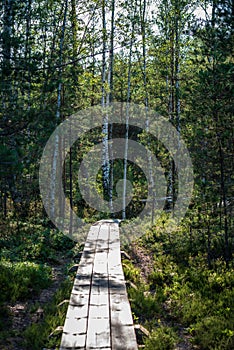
(99, 314)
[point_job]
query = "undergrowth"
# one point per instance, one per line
(183, 290)
(28, 251)
(19, 280)
(43, 334)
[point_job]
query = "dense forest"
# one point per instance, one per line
(172, 57)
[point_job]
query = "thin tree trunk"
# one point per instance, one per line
(171, 113)
(151, 178)
(93, 62)
(177, 67)
(110, 97)
(28, 51)
(127, 118)
(74, 54)
(58, 113)
(105, 131)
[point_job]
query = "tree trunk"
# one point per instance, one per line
(109, 99)
(105, 129)
(58, 113)
(127, 116)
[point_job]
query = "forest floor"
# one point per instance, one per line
(22, 314)
(143, 260)
(32, 311)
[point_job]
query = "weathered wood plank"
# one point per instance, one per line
(122, 329)
(99, 314)
(98, 332)
(99, 306)
(76, 323)
(98, 335)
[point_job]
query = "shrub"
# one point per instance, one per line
(144, 305)
(131, 273)
(214, 333)
(163, 338)
(19, 280)
(36, 336)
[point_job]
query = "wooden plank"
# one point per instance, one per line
(75, 310)
(98, 335)
(120, 310)
(76, 322)
(72, 341)
(75, 325)
(99, 314)
(99, 306)
(122, 329)
(98, 332)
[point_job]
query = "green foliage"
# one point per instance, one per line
(196, 296)
(34, 243)
(163, 338)
(130, 271)
(214, 333)
(185, 74)
(37, 335)
(144, 305)
(163, 273)
(19, 280)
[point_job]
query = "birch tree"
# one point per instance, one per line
(143, 24)
(110, 98)
(105, 128)
(128, 99)
(58, 112)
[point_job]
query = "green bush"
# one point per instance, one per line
(131, 273)
(59, 241)
(37, 335)
(144, 305)
(19, 280)
(163, 338)
(35, 243)
(214, 333)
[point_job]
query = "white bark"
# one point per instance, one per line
(105, 156)
(151, 178)
(127, 118)
(58, 112)
(109, 97)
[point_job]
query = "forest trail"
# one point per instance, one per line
(22, 317)
(99, 314)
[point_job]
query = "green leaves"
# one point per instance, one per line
(19, 280)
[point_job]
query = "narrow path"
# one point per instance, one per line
(99, 314)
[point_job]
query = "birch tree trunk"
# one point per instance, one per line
(171, 113)
(28, 51)
(58, 114)
(152, 196)
(110, 97)
(127, 115)
(177, 66)
(74, 54)
(105, 131)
